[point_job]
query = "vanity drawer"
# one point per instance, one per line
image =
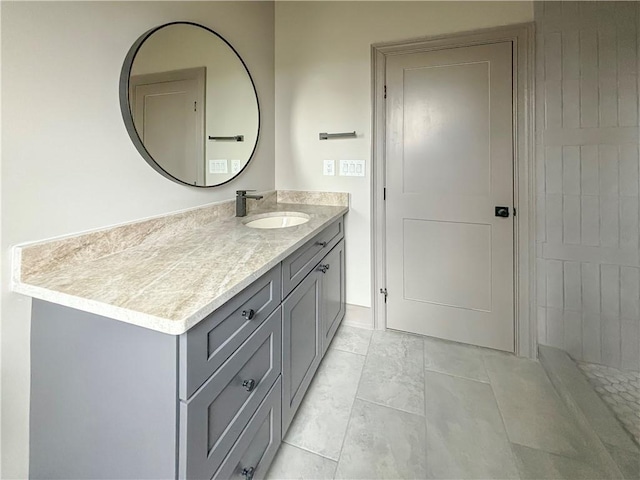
(254, 451)
(299, 264)
(212, 420)
(205, 347)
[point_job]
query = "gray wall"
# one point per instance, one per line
(68, 164)
(587, 180)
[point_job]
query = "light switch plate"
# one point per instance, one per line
(218, 166)
(352, 168)
(329, 167)
(235, 166)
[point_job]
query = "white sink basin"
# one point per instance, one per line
(277, 220)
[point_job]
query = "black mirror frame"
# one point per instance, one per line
(125, 107)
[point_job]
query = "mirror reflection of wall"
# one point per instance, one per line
(176, 69)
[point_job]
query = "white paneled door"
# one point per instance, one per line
(449, 165)
(169, 122)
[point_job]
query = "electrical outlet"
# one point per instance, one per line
(218, 166)
(329, 167)
(352, 168)
(235, 166)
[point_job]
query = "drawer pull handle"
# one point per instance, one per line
(323, 268)
(322, 244)
(247, 473)
(249, 385)
(248, 314)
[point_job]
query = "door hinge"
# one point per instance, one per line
(385, 91)
(195, 106)
(514, 212)
(384, 292)
(384, 193)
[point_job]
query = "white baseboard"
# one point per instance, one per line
(358, 316)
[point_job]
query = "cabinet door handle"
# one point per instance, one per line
(248, 314)
(322, 244)
(323, 268)
(249, 385)
(247, 473)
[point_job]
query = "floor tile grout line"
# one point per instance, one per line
(461, 377)
(370, 339)
(310, 451)
(426, 420)
(346, 431)
(546, 452)
(511, 442)
(348, 351)
(355, 395)
(389, 407)
(424, 381)
(382, 404)
(514, 457)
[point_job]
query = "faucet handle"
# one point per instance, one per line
(242, 192)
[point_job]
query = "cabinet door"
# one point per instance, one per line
(254, 451)
(302, 343)
(333, 293)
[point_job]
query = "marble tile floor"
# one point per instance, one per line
(620, 390)
(388, 405)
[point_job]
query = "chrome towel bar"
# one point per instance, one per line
(327, 136)
(235, 138)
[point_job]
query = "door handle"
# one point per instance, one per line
(502, 212)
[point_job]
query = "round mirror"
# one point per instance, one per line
(189, 104)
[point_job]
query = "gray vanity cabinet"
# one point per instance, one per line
(205, 347)
(114, 400)
(302, 343)
(333, 293)
(258, 444)
(311, 314)
(304, 260)
(213, 419)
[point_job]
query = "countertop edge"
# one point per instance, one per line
(139, 319)
(152, 322)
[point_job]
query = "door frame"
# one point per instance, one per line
(522, 38)
(197, 74)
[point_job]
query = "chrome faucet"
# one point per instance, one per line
(241, 201)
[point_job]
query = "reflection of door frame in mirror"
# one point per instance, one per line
(198, 77)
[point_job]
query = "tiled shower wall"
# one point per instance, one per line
(587, 180)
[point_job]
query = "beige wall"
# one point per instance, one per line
(323, 84)
(67, 162)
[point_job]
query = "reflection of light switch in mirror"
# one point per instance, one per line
(218, 166)
(235, 166)
(352, 168)
(329, 167)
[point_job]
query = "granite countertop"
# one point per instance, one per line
(169, 285)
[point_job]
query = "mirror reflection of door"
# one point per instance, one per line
(169, 116)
